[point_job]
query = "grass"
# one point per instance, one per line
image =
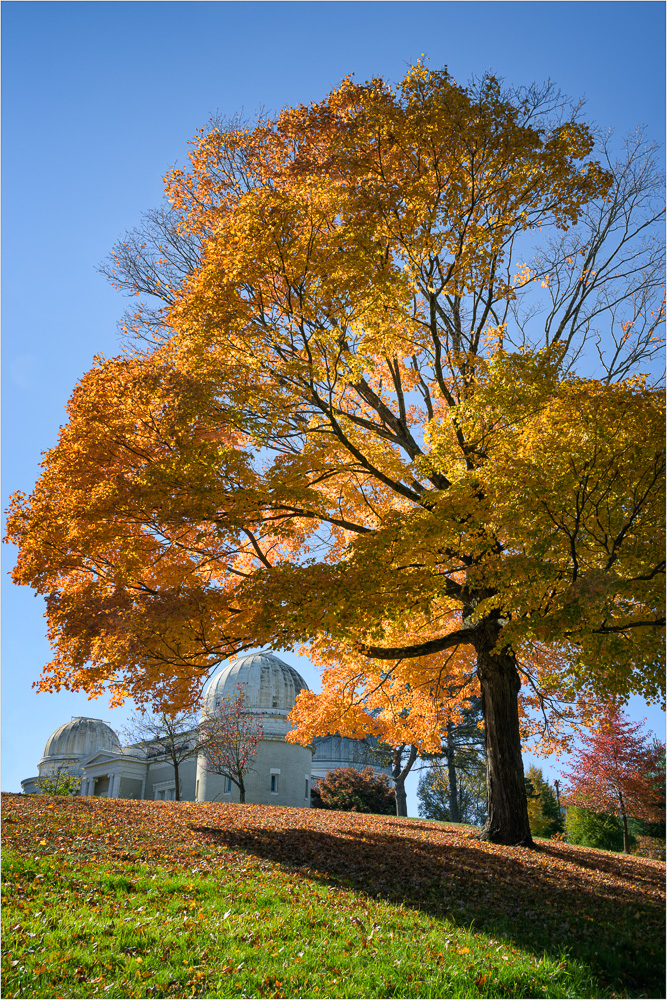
(107, 898)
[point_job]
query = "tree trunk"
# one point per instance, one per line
(241, 790)
(507, 821)
(454, 815)
(399, 774)
(401, 797)
(177, 791)
(624, 820)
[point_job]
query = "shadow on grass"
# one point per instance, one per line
(608, 922)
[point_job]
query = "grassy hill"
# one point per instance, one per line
(118, 898)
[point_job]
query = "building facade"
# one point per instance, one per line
(280, 774)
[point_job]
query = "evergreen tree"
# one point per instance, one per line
(543, 811)
(435, 795)
(463, 755)
(453, 788)
(590, 829)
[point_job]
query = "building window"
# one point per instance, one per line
(307, 788)
(164, 792)
(275, 775)
(227, 786)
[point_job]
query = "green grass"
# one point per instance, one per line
(233, 909)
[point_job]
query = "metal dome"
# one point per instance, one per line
(269, 684)
(79, 738)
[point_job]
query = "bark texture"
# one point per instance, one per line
(507, 821)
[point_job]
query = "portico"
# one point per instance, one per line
(114, 775)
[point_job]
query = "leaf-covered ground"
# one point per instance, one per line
(115, 898)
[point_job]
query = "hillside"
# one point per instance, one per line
(120, 898)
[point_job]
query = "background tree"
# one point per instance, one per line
(463, 752)
(362, 428)
(403, 758)
(173, 736)
(352, 789)
(657, 780)
(61, 782)
(435, 795)
(454, 772)
(400, 758)
(618, 770)
(230, 739)
(590, 829)
(543, 810)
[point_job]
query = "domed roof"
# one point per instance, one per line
(79, 738)
(268, 683)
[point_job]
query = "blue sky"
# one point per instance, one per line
(99, 99)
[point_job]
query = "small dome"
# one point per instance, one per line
(79, 738)
(268, 683)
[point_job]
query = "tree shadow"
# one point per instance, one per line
(623, 866)
(525, 897)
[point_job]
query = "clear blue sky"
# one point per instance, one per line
(99, 99)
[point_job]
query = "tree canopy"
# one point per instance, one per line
(393, 408)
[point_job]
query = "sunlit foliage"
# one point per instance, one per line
(395, 408)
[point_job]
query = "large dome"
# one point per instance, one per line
(79, 738)
(269, 684)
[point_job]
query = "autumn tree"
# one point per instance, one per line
(391, 408)
(174, 736)
(618, 770)
(230, 738)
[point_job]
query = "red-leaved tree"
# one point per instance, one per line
(618, 770)
(230, 739)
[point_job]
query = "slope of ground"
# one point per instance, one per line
(118, 898)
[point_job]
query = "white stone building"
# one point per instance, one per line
(280, 774)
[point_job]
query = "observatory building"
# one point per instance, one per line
(280, 774)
